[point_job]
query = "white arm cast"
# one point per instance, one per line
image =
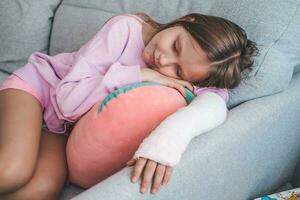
(168, 141)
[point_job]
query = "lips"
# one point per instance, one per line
(153, 60)
(150, 60)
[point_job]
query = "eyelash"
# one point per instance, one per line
(174, 47)
(178, 71)
(178, 68)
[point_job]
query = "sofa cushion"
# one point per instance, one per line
(297, 68)
(3, 76)
(273, 25)
(24, 28)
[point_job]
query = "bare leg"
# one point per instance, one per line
(20, 131)
(50, 173)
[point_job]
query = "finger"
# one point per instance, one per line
(190, 86)
(167, 175)
(131, 162)
(148, 175)
(138, 168)
(180, 88)
(174, 83)
(186, 84)
(158, 177)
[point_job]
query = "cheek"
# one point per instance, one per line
(203, 76)
(146, 53)
(149, 48)
(196, 75)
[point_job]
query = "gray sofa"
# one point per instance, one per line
(253, 153)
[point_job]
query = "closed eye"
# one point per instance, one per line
(178, 72)
(174, 47)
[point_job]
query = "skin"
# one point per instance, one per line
(175, 59)
(177, 54)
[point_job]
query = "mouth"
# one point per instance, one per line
(152, 61)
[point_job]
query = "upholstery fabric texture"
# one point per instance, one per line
(25, 28)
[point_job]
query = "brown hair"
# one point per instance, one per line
(224, 42)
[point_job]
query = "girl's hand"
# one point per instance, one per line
(154, 76)
(149, 167)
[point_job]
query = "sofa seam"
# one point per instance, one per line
(51, 27)
(91, 8)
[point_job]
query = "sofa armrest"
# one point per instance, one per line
(253, 153)
(296, 176)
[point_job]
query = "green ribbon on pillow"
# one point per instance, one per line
(189, 95)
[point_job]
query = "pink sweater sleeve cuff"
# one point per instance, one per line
(220, 91)
(119, 76)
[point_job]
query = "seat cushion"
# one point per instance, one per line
(273, 25)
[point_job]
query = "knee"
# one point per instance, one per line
(13, 176)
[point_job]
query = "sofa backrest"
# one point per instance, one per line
(272, 24)
(25, 27)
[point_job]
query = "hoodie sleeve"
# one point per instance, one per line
(96, 71)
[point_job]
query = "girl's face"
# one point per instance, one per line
(175, 53)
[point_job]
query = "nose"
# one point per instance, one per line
(166, 60)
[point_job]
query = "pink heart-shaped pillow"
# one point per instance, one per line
(109, 134)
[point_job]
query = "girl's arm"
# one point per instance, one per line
(95, 72)
(169, 140)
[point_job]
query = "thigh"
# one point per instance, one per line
(20, 130)
(50, 173)
(51, 169)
